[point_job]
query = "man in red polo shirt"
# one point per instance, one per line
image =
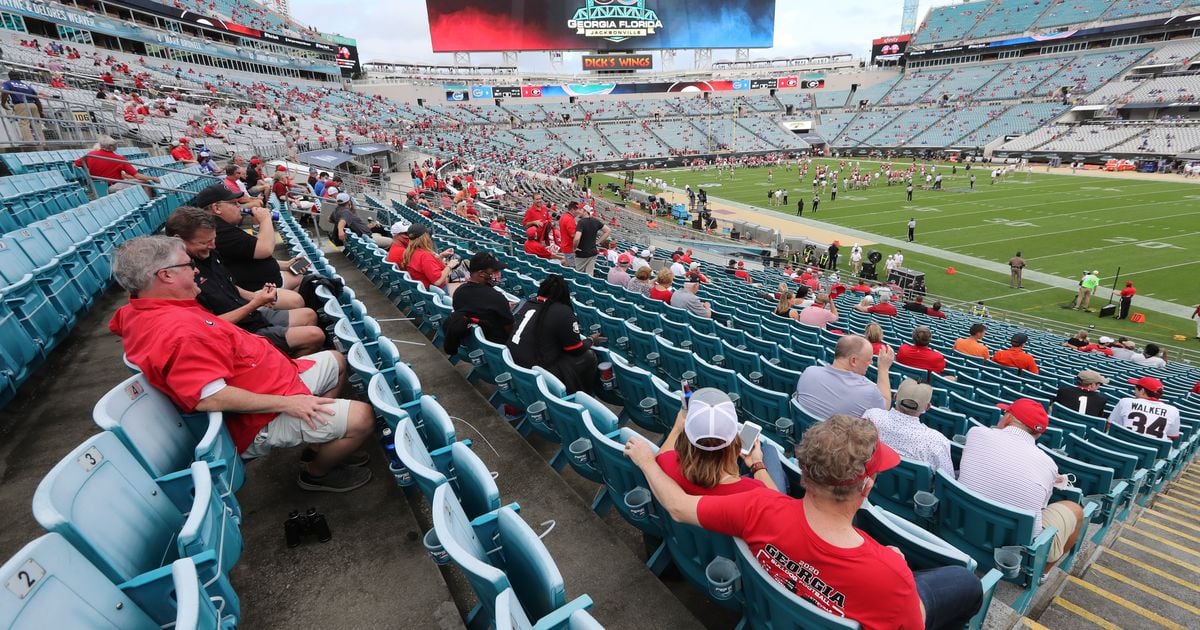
(181, 153)
(204, 363)
(919, 355)
(883, 308)
(566, 233)
(537, 216)
(535, 246)
(104, 164)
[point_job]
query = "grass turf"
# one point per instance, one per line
(1061, 224)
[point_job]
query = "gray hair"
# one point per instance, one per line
(138, 259)
(106, 143)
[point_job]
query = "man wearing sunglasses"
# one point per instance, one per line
(204, 363)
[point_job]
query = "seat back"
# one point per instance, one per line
(709, 375)
(977, 525)
(465, 548)
(948, 423)
(209, 525)
(1123, 465)
(769, 605)
(764, 407)
(922, 550)
(894, 488)
(529, 567)
(1161, 447)
(101, 477)
(148, 423)
(1145, 454)
(620, 474)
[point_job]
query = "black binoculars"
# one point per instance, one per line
(311, 523)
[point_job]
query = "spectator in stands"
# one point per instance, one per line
(547, 334)
(320, 185)
(1145, 413)
(973, 343)
(535, 246)
(1196, 316)
(618, 275)
(706, 461)
(687, 299)
(1123, 349)
(662, 285)
(105, 165)
(234, 175)
(641, 260)
(979, 310)
(565, 233)
(694, 274)
(537, 216)
(207, 364)
(864, 305)
(345, 217)
(399, 232)
(822, 312)
(842, 386)
(917, 305)
(426, 266)
(17, 95)
(641, 282)
(1005, 465)
(874, 334)
(859, 578)
(1077, 341)
(588, 231)
(500, 226)
(1150, 356)
(278, 315)
(741, 272)
(883, 307)
(783, 308)
(1126, 300)
(250, 259)
(900, 427)
(936, 311)
(1015, 355)
(181, 153)
(1084, 396)
(480, 303)
(919, 355)
(207, 165)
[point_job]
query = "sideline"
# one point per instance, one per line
(786, 223)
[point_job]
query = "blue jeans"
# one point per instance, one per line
(773, 466)
(951, 596)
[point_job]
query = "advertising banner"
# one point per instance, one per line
(618, 62)
(601, 25)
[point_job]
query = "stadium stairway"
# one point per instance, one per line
(1148, 575)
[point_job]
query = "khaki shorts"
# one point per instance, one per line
(1061, 518)
(286, 431)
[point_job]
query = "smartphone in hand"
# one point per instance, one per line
(300, 266)
(749, 434)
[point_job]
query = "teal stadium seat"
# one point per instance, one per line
(455, 464)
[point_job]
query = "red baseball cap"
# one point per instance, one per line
(882, 459)
(531, 232)
(1030, 412)
(1153, 386)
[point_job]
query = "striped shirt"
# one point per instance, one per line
(1006, 466)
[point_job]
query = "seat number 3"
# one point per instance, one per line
(1142, 424)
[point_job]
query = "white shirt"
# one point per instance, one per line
(1154, 361)
(1148, 417)
(678, 269)
(911, 439)
(637, 263)
(1006, 466)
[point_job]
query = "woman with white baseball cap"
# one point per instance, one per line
(706, 460)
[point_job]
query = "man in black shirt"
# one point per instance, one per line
(917, 306)
(250, 259)
(547, 334)
(1083, 396)
(276, 314)
(588, 231)
(479, 301)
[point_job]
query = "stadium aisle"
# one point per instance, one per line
(1146, 577)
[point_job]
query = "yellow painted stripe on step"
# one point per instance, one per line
(1178, 521)
(1086, 614)
(1178, 500)
(1160, 539)
(1155, 570)
(1126, 604)
(1032, 625)
(1168, 508)
(1180, 492)
(1145, 589)
(1190, 486)
(1172, 531)
(1160, 555)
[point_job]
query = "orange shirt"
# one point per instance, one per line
(968, 345)
(1016, 357)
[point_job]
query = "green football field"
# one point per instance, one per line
(1062, 224)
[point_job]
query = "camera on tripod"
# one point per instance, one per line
(299, 526)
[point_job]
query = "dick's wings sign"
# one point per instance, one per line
(615, 20)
